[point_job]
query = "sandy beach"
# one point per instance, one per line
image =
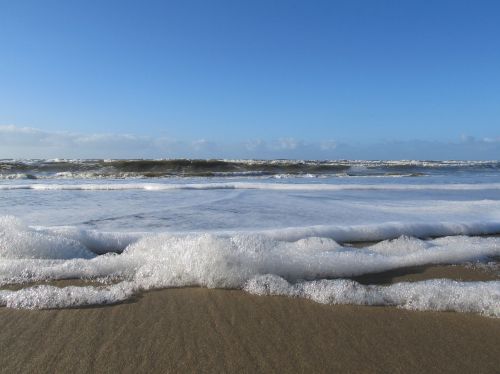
(214, 331)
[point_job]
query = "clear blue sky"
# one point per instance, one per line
(237, 71)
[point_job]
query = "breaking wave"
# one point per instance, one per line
(298, 264)
(253, 186)
(121, 169)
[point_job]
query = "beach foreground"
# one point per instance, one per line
(206, 330)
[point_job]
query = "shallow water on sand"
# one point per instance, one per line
(257, 229)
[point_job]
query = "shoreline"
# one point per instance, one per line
(214, 331)
(206, 330)
(468, 272)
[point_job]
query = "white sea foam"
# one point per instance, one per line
(96, 241)
(237, 260)
(50, 297)
(253, 186)
(432, 295)
(106, 175)
(19, 241)
(386, 230)
(15, 176)
(436, 294)
(103, 242)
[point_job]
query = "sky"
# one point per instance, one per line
(250, 79)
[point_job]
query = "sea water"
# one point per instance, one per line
(268, 227)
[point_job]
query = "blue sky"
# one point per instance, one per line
(259, 79)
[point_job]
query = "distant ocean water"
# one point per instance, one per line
(268, 227)
(72, 169)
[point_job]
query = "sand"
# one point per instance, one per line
(216, 331)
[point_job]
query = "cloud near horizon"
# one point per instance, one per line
(28, 142)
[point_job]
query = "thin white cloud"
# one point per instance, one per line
(492, 140)
(328, 145)
(30, 142)
(287, 143)
(27, 142)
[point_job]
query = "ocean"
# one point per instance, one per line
(279, 227)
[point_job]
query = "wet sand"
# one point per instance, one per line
(216, 331)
